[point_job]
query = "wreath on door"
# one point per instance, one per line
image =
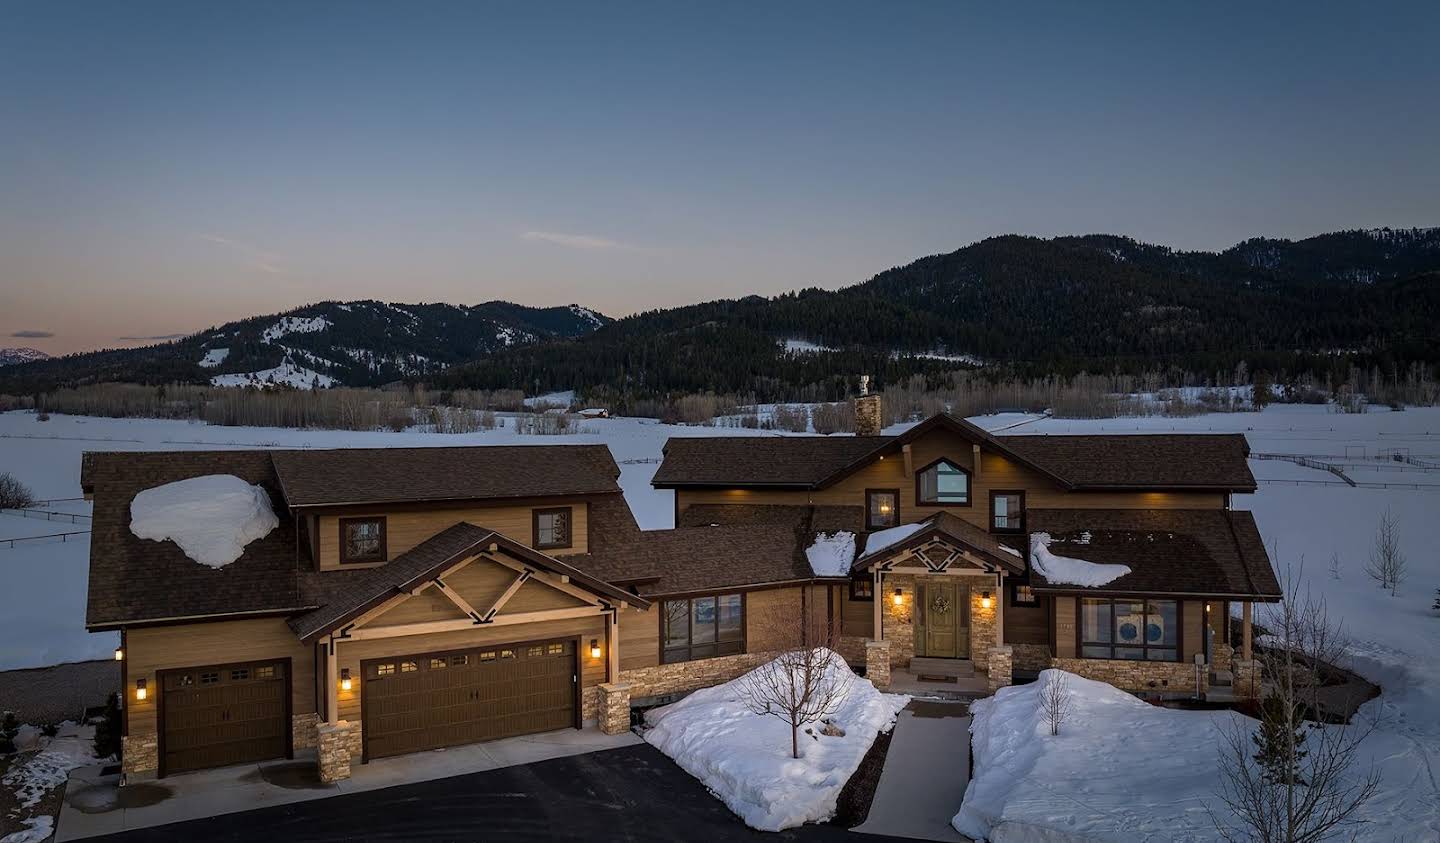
(940, 605)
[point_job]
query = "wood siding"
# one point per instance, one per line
(152, 649)
(406, 528)
(996, 473)
(1066, 629)
(857, 617)
(1026, 624)
(640, 637)
(480, 584)
(350, 653)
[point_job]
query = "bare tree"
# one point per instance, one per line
(1387, 561)
(1294, 780)
(14, 494)
(1334, 566)
(806, 682)
(1055, 699)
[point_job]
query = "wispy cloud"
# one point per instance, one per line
(260, 259)
(155, 337)
(33, 335)
(576, 241)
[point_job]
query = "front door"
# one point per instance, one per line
(941, 629)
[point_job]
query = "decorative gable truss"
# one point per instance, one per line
(938, 556)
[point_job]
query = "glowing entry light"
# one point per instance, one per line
(899, 598)
(985, 600)
(345, 683)
(594, 648)
(140, 692)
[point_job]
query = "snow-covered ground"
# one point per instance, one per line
(744, 758)
(32, 778)
(287, 373)
(1397, 638)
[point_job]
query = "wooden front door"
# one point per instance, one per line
(223, 714)
(942, 628)
(420, 702)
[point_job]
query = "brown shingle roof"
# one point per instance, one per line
(1142, 461)
(1211, 552)
(945, 525)
(383, 475)
(134, 580)
(343, 596)
(796, 461)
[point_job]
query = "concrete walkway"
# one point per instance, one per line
(926, 771)
(95, 805)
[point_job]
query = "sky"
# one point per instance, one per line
(166, 167)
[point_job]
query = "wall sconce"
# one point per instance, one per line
(985, 600)
(594, 648)
(345, 683)
(140, 693)
(120, 652)
(898, 598)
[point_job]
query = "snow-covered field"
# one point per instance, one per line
(744, 758)
(1397, 638)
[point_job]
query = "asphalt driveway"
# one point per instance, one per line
(634, 793)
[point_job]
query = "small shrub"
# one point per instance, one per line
(14, 494)
(50, 730)
(9, 728)
(107, 729)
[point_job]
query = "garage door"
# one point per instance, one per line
(433, 700)
(223, 714)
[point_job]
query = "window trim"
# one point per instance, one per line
(856, 580)
(536, 514)
(1081, 643)
(869, 525)
(744, 640)
(384, 554)
(994, 493)
(1015, 595)
(920, 486)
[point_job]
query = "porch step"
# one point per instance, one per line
(957, 668)
(1222, 677)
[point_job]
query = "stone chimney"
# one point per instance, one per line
(867, 411)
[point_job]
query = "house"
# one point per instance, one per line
(407, 599)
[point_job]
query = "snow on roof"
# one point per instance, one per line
(211, 517)
(1062, 570)
(831, 554)
(882, 539)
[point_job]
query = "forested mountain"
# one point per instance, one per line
(10, 356)
(360, 343)
(1029, 306)
(1009, 305)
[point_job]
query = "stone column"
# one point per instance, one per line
(867, 416)
(1222, 655)
(1001, 664)
(1247, 679)
(139, 754)
(333, 749)
(877, 663)
(614, 711)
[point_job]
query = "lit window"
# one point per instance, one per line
(535, 652)
(385, 670)
(943, 483)
(459, 660)
(507, 654)
(362, 540)
(555, 649)
(409, 667)
(1023, 595)
(862, 588)
(882, 508)
(438, 664)
(267, 672)
(552, 528)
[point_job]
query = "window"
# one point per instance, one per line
(552, 528)
(1144, 630)
(702, 628)
(1007, 512)
(507, 654)
(267, 672)
(459, 660)
(942, 483)
(385, 669)
(535, 652)
(209, 678)
(487, 656)
(555, 649)
(362, 540)
(409, 667)
(438, 664)
(239, 674)
(1023, 595)
(862, 588)
(882, 508)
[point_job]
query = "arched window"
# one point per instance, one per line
(942, 483)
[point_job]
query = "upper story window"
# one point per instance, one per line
(552, 528)
(882, 508)
(942, 483)
(362, 539)
(702, 628)
(1007, 512)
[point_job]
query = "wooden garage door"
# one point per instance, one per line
(428, 701)
(223, 714)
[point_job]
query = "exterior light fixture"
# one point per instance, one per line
(120, 654)
(140, 692)
(899, 597)
(594, 648)
(985, 600)
(345, 682)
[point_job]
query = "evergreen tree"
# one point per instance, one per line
(9, 728)
(1280, 740)
(107, 730)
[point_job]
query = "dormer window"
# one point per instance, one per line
(942, 483)
(362, 540)
(882, 508)
(552, 528)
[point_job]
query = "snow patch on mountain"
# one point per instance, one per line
(295, 325)
(286, 374)
(9, 356)
(214, 357)
(587, 314)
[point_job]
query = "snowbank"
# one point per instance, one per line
(1120, 769)
(37, 829)
(744, 758)
(881, 539)
(831, 554)
(51, 766)
(1062, 570)
(212, 517)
